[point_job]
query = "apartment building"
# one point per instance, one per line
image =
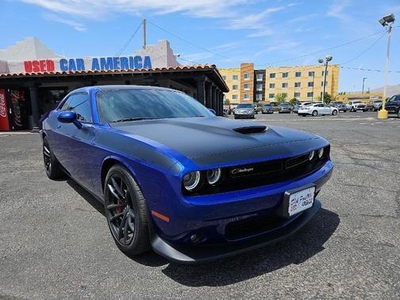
(305, 83)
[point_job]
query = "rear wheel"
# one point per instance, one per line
(51, 164)
(126, 211)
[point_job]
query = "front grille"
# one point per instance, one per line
(264, 173)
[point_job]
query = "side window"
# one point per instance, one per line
(79, 103)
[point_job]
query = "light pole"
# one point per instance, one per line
(386, 21)
(362, 91)
(328, 58)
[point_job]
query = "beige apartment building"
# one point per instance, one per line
(305, 83)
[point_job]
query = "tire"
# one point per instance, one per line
(126, 212)
(398, 113)
(314, 113)
(51, 164)
(334, 112)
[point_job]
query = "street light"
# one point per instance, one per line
(386, 21)
(328, 58)
(362, 92)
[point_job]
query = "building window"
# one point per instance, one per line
(234, 97)
(259, 97)
(246, 97)
(284, 85)
(272, 85)
(260, 77)
(246, 76)
(234, 87)
(272, 75)
(259, 87)
(322, 83)
(311, 74)
(298, 74)
(297, 84)
(285, 75)
(235, 77)
(247, 86)
(310, 94)
(297, 95)
(271, 96)
(311, 84)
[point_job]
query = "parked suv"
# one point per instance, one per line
(355, 105)
(393, 105)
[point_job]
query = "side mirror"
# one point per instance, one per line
(69, 117)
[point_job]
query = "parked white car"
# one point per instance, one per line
(355, 105)
(317, 109)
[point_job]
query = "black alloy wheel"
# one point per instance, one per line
(126, 211)
(51, 164)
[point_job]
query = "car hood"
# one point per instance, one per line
(218, 140)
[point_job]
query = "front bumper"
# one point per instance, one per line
(204, 253)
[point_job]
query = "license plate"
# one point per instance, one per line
(301, 200)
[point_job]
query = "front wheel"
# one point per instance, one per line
(334, 113)
(126, 211)
(314, 113)
(51, 164)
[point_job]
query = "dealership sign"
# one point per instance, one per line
(88, 64)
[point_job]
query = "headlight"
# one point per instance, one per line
(311, 155)
(191, 180)
(320, 153)
(213, 176)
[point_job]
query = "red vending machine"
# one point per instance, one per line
(18, 115)
(4, 120)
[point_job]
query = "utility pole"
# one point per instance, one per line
(144, 34)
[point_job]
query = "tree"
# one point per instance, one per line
(293, 101)
(327, 98)
(279, 98)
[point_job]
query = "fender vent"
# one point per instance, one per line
(250, 129)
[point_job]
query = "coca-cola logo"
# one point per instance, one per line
(3, 108)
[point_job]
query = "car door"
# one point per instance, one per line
(72, 144)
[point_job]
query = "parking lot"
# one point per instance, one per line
(55, 243)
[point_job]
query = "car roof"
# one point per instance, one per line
(119, 87)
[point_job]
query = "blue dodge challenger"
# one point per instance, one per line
(177, 179)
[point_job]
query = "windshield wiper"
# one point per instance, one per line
(132, 119)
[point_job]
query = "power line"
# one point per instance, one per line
(192, 44)
(366, 50)
(128, 42)
(324, 50)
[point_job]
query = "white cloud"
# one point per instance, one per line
(75, 24)
(339, 9)
(254, 21)
(93, 8)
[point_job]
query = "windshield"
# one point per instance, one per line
(120, 105)
(392, 99)
(245, 105)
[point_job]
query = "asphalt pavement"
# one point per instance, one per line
(55, 243)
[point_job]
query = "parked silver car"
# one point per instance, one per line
(317, 109)
(244, 110)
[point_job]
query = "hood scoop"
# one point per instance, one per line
(250, 129)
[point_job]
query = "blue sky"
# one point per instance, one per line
(224, 33)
